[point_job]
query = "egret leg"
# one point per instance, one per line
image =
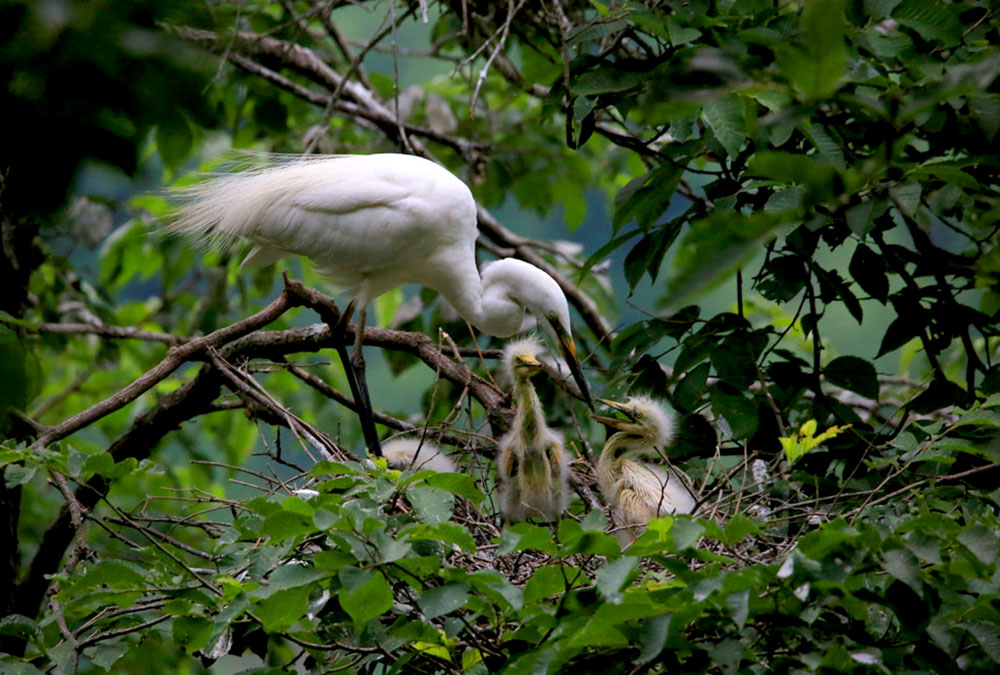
(354, 368)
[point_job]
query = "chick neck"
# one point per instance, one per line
(529, 419)
(625, 442)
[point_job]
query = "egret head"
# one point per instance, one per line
(646, 419)
(534, 291)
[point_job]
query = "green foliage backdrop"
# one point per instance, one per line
(182, 489)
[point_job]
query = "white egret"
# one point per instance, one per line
(372, 223)
(418, 455)
(635, 490)
(532, 465)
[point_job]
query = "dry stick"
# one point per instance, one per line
(102, 330)
(912, 486)
(151, 532)
(176, 357)
(308, 435)
(504, 31)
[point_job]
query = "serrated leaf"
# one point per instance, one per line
(458, 484)
(726, 118)
(739, 607)
(444, 600)
(987, 634)
(982, 541)
(818, 66)
(368, 601)
(654, 638)
(431, 505)
(686, 533)
(192, 632)
(14, 475)
(280, 610)
(935, 21)
(904, 566)
(610, 578)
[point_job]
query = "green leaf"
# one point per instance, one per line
(526, 537)
(900, 331)
(431, 505)
(713, 250)
(654, 638)
(935, 21)
(280, 610)
(987, 634)
(14, 475)
(982, 541)
(605, 81)
(725, 116)
(192, 632)
(458, 484)
(282, 525)
(681, 35)
(853, 374)
(440, 601)
(21, 627)
(610, 578)
(106, 653)
(739, 411)
(646, 198)
(903, 565)
(497, 588)
(370, 600)
(817, 67)
(686, 532)
(868, 269)
(550, 580)
(449, 533)
(739, 607)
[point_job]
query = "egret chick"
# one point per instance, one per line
(416, 454)
(532, 464)
(372, 223)
(635, 490)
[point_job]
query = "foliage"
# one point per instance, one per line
(826, 166)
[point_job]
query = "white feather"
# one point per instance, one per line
(412, 453)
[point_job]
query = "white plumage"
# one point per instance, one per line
(372, 223)
(638, 491)
(532, 464)
(418, 455)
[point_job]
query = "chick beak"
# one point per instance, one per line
(569, 353)
(525, 361)
(613, 422)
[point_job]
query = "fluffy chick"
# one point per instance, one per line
(636, 490)
(532, 464)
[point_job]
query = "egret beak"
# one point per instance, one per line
(614, 422)
(569, 353)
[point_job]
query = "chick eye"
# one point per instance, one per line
(637, 415)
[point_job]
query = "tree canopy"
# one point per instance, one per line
(779, 216)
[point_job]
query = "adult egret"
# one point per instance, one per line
(532, 465)
(417, 454)
(635, 490)
(372, 223)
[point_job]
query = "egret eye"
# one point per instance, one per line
(636, 414)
